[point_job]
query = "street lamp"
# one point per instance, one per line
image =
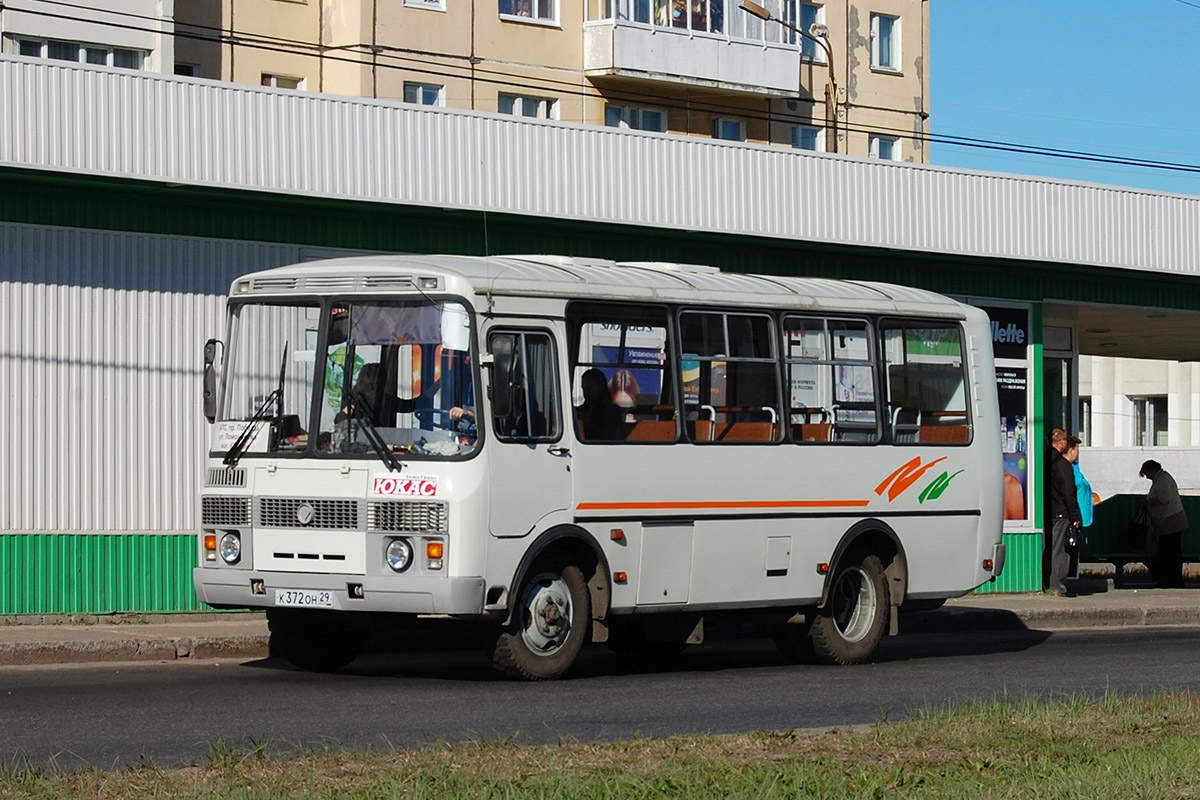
(820, 35)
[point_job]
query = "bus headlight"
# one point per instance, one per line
(399, 554)
(231, 548)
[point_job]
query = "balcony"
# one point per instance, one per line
(698, 42)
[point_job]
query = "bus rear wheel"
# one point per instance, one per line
(549, 625)
(319, 641)
(848, 629)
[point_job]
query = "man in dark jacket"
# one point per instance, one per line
(1064, 508)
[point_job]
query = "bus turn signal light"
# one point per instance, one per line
(210, 541)
(823, 568)
(988, 564)
(620, 577)
(433, 549)
(617, 535)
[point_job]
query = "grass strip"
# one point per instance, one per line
(1074, 747)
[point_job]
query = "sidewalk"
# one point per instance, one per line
(243, 635)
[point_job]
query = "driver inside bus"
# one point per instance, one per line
(367, 391)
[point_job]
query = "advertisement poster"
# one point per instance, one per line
(1011, 388)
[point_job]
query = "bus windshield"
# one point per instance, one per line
(268, 380)
(397, 378)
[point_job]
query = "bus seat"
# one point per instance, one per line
(906, 424)
(700, 430)
(746, 432)
(652, 431)
(945, 434)
(812, 432)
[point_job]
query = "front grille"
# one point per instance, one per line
(407, 516)
(388, 282)
(216, 511)
(268, 284)
(221, 476)
(329, 283)
(281, 512)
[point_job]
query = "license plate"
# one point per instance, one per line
(304, 598)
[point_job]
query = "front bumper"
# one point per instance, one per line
(406, 595)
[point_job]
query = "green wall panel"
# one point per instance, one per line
(96, 574)
(124, 205)
(1022, 565)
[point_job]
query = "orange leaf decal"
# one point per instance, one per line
(904, 477)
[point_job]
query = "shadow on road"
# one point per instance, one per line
(439, 655)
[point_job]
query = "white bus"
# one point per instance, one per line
(403, 438)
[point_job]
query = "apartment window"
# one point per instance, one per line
(525, 106)
(188, 70)
(732, 130)
(634, 118)
(885, 147)
(885, 42)
(425, 94)
(806, 137)
(97, 54)
(804, 16)
(282, 81)
(434, 5)
(539, 10)
(1150, 421)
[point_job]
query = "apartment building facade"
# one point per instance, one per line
(125, 34)
(692, 67)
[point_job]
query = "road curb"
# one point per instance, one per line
(141, 649)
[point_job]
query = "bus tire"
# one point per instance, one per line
(314, 640)
(549, 623)
(849, 627)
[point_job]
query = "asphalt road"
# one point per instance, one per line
(170, 712)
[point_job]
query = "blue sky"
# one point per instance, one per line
(1098, 76)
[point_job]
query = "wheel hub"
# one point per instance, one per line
(854, 604)
(549, 612)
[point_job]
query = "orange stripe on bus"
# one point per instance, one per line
(740, 504)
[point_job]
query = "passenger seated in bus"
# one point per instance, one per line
(623, 388)
(599, 419)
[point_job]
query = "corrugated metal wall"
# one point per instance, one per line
(66, 574)
(100, 365)
(78, 119)
(1022, 566)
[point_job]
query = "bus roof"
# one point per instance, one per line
(590, 278)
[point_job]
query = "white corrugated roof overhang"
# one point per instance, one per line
(107, 122)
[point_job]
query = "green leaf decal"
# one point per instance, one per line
(934, 490)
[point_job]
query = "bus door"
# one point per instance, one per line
(528, 457)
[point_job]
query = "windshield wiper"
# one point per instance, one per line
(248, 433)
(372, 433)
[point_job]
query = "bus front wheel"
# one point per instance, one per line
(549, 624)
(849, 627)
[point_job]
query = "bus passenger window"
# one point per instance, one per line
(531, 390)
(622, 387)
(730, 377)
(831, 373)
(926, 382)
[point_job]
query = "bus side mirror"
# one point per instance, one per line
(210, 379)
(504, 347)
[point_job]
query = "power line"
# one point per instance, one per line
(412, 62)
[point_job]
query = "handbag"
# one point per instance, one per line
(1071, 543)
